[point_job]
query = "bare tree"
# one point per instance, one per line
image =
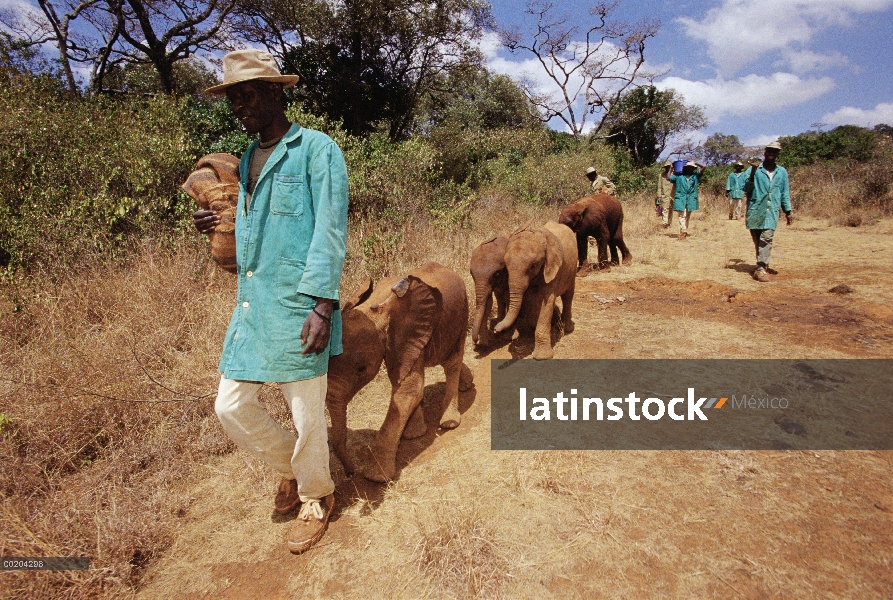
(591, 70)
(162, 32)
(32, 31)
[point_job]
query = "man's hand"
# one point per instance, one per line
(205, 220)
(317, 327)
(790, 218)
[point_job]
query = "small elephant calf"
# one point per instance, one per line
(599, 216)
(410, 323)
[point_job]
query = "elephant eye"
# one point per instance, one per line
(362, 369)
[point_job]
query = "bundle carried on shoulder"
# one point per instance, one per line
(214, 185)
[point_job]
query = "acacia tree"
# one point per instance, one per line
(162, 32)
(646, 118)
(32, 30)
(590, 70)
(721, 149)
(117, 33)
(367, 61)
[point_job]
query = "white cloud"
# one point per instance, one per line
(748, 95)
(760, 141)
(848, 115)
(741, 31)
(488, 44)
(807, 61)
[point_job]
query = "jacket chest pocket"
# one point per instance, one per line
(288, 194)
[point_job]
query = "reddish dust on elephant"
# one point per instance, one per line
(601, 217)
(410, 323)
(541, 265)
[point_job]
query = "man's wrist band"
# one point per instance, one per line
(319, 314)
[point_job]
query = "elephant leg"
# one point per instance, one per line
(405, 397)
(416, 426)
(602, 241)
(452, 368)
(567, 300)
(615, 258)
(624, 251)
(618, 239)
(338, 437)
(466, 378)
(582, 249)
(543, 345)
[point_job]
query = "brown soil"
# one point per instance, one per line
(462, 520)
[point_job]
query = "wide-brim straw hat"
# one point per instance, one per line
(590, 170)
(250, 65)
(774, 146)
(737, 163)
(690, 163)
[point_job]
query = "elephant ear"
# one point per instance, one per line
(413, 316)
(553, 255)
(360, 296)
(571, 215)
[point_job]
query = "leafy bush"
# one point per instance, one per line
(844, 142)
(87, 175)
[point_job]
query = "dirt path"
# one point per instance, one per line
(465, 521)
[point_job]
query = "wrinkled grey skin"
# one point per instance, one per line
(541, 265)
(408, 323)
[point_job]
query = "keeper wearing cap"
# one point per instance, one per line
(291, 237)
(768, 191)
(600, 183)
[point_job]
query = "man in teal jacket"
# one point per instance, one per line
(686, 194)
(291, 234)
(735, 190)
(767, 190)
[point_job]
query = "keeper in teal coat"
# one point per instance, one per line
(686, 199)
(768, 191)
(735, 190)
(291, 236)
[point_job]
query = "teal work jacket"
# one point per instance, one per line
(290, 248)
(686, 191)
(765, 198)
(735, 184)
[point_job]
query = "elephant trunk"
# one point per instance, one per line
(516, 294)
(482, 294)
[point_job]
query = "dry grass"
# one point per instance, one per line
(152, 492)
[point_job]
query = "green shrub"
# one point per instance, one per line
(86, 175)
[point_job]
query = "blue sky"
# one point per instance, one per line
(759, 68)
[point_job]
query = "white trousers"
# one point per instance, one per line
(682, 216)
(304, 457)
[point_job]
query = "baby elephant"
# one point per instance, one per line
(410, 323)
(599, 216)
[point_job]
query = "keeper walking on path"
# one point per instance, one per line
(767, 190)
(686, 194)
(735, 190)
(291, 234)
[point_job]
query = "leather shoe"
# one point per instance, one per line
(287, 497)
(311, 523)
(761, 275)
